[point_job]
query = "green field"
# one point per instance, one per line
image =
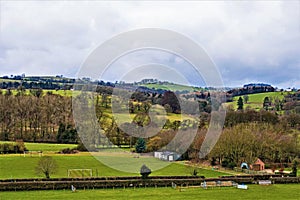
(45, 147)
(171, 87)
(256, 100)
(57, 92)
(256, 192)
(48, 146)
(17, 166)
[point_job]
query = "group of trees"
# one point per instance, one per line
(35, 116)
(247, 133)
(247, 141)
(251, 89)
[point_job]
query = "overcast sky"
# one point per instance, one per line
(248, 41)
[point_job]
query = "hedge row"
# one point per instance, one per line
(99, 183)
(284, 180)
(91, 184)
(11, 148)
(98, 178)
(255, 176)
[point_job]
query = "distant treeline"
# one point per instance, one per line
(250, 89)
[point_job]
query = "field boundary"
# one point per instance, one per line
(125, 182)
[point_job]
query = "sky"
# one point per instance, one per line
(247, 41)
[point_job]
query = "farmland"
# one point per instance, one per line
(274, 192)
(256, 100)
(17, 166)
(172, 87)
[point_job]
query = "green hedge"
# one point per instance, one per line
(10, 148)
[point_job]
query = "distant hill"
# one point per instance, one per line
(252, 88)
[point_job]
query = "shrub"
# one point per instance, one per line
(194, 171)
(17, 147)
(225, 163)
(231, 165)
(294, 167)
(81, 147)
(145, 171)
(68, 151)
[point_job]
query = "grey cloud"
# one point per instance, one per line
(247, 40)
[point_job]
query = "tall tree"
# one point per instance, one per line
(240, 103)
(266, 103)
(246, 98)
(140, 146)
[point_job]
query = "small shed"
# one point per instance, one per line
(166, 155)
(258, 165)
(244, 165)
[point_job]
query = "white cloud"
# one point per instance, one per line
(249, 41)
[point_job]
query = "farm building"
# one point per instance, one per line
(167, 155)
(258, 165)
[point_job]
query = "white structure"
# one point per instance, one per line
(243, 187)
(166, 155)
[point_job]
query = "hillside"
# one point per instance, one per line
(255, 101)
(172, 87)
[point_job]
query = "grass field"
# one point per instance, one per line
(256, 100)
(57, 92)
(17, 166)
(256, 192)
(171, 87)
(45, 147)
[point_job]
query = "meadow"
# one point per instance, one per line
(257, 192)
(18, 166)
(171, 87)
(256, 100)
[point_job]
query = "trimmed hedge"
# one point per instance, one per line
(122, 182)
(284, 180)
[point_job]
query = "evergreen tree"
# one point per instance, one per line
(240, 104)
(266, 103)
(294, 167)
(140, 145)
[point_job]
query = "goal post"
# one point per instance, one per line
(80, 173)
(33, 153)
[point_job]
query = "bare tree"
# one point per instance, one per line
(46, 166)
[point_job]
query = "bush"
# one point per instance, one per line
(17, 147)
(68, 151)
(194, 171)
(228, 164)
(294, 167)
(231, 165)
(145, 171)
(81, 147)
(225, 163)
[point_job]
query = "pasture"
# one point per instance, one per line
(122, 163)
(273, 192)
(49, 147)
(17, 166)
(256, 100)
(172, 87)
